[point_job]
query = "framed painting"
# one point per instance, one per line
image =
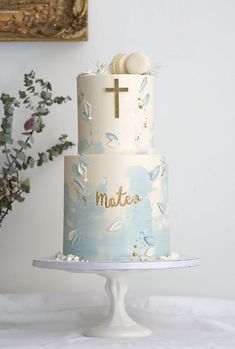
(43, 20)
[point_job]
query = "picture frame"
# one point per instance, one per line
(43, 20)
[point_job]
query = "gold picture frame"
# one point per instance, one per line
(43, 20)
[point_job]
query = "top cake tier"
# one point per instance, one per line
(115, 113)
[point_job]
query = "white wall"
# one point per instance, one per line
(194, 42)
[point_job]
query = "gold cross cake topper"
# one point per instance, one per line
(116, 89)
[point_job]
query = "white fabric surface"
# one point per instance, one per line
(58, 321)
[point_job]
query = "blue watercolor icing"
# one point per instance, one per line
(96, 243)
(83, 145)
(98, 148)
(87, 219)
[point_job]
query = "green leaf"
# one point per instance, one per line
(31, 89)
(12, 170)
(63, 137)
(22, 144)
(31, 138)
(59, 100)
(45, 157)
(48, 86)
(18, 165)
(46, 95)
(22, 94)
(42, 110)
(19, 198)
(21, 155)
(5, 203)
(31, 162)
(49, 102)
(39, 125)
(9, 110)
(27, 100)
(5, 139)
(25, 185)
(39, 162)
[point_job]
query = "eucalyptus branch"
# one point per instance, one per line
(37, 98)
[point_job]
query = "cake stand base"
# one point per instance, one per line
(118, 323)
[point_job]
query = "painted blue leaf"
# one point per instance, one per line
(83, 160)
(79, 185)
(161, 207)
(76, 239)
(145, 100)
(149, 240)
(111, 136)
(75, 170)
(86, 116)
(143, 84)
(79, 100)
(154, 173)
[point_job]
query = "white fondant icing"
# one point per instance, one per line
(132, 131)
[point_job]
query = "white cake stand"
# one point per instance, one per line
(118, 323)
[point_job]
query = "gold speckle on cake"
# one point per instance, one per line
(134, 254)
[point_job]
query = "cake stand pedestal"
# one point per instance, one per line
(118, 323)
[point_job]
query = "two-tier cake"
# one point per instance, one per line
(115, 192)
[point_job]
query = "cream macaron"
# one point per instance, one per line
(118, 64)
(137, 63)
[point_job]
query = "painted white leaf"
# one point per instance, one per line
(79, 185)
(154, 173)
(115, 226)
(71, 234)
(113, 144)
(82, 170)
(76, 239)
(145, 100)
(75, 170)
(162, 208)
(143, 84)
(111, 136)
(150, 252)
(87, 113)
(149, 240)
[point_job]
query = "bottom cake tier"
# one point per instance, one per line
(116, 207)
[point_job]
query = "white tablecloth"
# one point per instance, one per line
(58, 321)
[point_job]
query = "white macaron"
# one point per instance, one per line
(137, 63)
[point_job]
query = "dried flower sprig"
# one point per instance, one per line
(36, 98)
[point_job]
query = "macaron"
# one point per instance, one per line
(122, 64)
(118, 64)
(137, 63)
